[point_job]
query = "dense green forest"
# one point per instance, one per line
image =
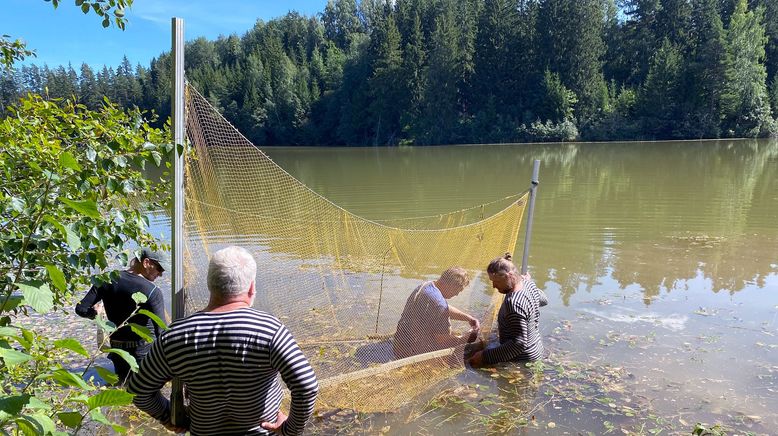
(380, 72)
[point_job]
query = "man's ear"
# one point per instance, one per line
(252, 289)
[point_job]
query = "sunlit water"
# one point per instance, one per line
(660, 261)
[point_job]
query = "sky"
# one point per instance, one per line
(66, 35)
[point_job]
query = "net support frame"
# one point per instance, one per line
(530, 214)
(178, 413)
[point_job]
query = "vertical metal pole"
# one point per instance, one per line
(530, 215)
(178, 415)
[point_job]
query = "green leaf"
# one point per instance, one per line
(109, 376)
(66, 160)
(139, 297)
(97, 416)
(142, 331)
(13, 302)
(85, 8)
(87, 208)
(57, 277)
(154, 318)
(17, 204)
(12, 405)
(26, 427)
(157, 157)
(35, 403)
(110, 397)
(91, 154)
(67, 378)
(107, 326)
(74, 240)
(39, 297)
(12, 358)
(70, 419)
(9, 332)
(126, 356)
(42, 422)
(72, 345)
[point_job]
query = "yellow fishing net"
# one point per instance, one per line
(338, 281)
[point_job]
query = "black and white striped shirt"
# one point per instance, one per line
(518, 321)
(230, 363)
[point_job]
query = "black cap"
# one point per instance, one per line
(157, 256)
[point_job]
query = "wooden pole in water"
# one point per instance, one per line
(178, 414)
(530, 214)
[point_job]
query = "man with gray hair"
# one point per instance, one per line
(425, 325)
(229, 356)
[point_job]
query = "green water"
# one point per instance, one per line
(660, 261)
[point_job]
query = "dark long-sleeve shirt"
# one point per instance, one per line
(518, 326)
(119, 305)
(229, 362)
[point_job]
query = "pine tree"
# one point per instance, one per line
(703, 84)
(771, 31)
(87, 88)
(744, 100)
(389, 94)
(413, 65)
(573, 47)
(659, 96)
(440, 105)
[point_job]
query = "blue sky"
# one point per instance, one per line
(67, 35)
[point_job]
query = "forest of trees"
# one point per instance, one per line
(388, 72)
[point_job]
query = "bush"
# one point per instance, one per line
(70, 181)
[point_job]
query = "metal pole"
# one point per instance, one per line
(532, 194)
(178, 413)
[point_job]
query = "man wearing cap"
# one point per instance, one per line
(119, 305)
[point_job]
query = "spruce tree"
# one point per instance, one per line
(705, 78)
(659, 96)
(744, 100)
(87, 88)
(573, 47)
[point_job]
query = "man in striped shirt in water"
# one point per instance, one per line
(518, 317)
(229, 356)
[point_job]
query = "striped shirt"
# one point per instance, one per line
(517, 324)
(229, 362)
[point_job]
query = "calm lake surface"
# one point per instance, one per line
(660, 261)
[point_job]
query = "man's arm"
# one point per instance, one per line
(153, 373)
(85, 308)
(287, 358)
(157, 305)
(454, 313)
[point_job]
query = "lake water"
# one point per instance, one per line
(660, 261)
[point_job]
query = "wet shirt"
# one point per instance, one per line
(518, 326)
(117, 300)
(229, 362)
(424, 316)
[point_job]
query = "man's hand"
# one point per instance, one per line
(275, 427)
(474, 323)
(477, 361)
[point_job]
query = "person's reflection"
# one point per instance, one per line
(425, 325)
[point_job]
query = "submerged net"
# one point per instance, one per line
(338, 281)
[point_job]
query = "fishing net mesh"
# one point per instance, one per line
(338, 281)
